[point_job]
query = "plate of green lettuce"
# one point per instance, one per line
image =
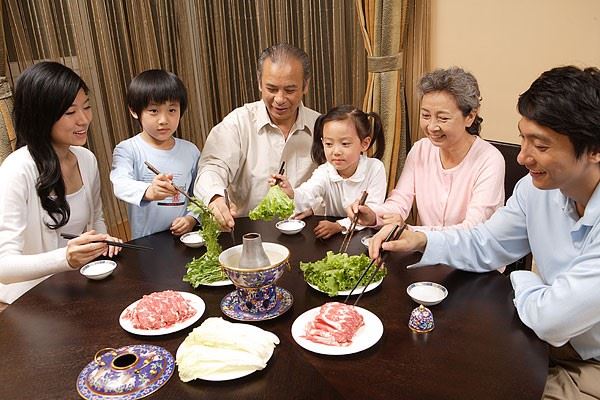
(336, 274)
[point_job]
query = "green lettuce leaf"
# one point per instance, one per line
(275, 204)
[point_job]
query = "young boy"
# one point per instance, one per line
(554, 213)
(157, 99)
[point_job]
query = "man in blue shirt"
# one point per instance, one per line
(554, 213)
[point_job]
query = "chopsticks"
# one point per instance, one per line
(281, 172)
(393, 235)
(350, 233)
(187, 196)
(110, 242)
(228, 204)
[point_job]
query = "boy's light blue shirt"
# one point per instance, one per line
(131, 177)
(562, 303)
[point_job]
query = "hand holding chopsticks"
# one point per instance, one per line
(350, 233)
(393, 235)
(110, 242)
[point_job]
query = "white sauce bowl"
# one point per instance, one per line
(192, 239)
(290, 226)
(98, 269)
(427, 293)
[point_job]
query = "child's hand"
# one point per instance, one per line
(303, 214)
(366, 216)
(182, 225)
(326, 229)
(283, 183)
(161, 188)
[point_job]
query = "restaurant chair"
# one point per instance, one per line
(513, 172)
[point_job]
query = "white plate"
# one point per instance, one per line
(357, 291)
(427, 293)
(194, 301)
(225, 282)
(365, 337)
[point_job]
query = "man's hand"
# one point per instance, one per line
(224, 215)
(408, 242)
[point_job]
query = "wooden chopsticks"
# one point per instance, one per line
(110, 242)
(350, 233)
(228, 204)
(393, 235)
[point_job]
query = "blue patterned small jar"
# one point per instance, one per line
(421, 320)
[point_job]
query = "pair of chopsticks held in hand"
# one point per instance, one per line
(378, 262)
(192, 200)
(350, 233)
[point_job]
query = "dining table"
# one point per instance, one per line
(478, 349)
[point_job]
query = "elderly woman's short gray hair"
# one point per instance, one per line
(461, 84)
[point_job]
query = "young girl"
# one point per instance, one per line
(157, 99)
(50, 185)
(339, 140)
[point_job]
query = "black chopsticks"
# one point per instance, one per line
(393, 235)
(281, 172)
(187, 196)
(110, 242)
(350, 233)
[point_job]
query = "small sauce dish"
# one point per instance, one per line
(366, 240)
(290, 226)
(427, 293)
(98, 269)
(192, 239)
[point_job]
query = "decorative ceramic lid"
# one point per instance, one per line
(421, 320)
(127, 373)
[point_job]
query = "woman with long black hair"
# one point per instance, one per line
(51, 183)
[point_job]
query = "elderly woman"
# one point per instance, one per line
(455, 177)
(50, 184)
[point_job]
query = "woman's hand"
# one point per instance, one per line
(326, 229)
(366, 216)
(161, 188)
(86, 248)
(394, 219)
(182, 225)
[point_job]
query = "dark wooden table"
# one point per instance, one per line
(478, 350)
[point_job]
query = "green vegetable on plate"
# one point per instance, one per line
(337, 272)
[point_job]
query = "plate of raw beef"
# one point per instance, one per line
(161, 313)
(337, 329)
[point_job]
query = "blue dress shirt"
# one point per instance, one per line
(560, 303)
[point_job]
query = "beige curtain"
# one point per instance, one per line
(7, 131)
(393, 33)
(212, 45)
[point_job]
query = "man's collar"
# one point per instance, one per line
(263, 118)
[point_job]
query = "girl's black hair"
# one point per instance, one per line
(158, 86)
(362, 122)
(43, 93)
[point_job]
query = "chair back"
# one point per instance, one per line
(514, 171)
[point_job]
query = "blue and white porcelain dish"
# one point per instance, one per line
(127, 373)
(234, 309)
